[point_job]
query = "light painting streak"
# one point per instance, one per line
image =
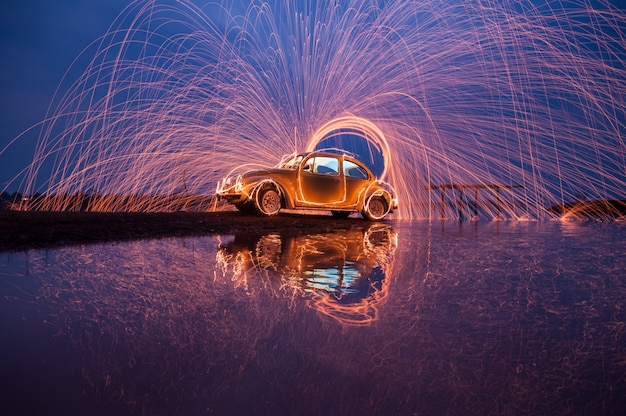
(523, 95)
(344, 275)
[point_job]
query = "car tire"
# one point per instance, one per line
(268, 201)
(376, 208)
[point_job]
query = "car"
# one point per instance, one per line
(319, 180)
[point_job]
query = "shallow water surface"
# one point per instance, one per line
(501, 318)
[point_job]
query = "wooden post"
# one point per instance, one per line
(476, 202)
(443, 201)
(461, 188)
(461, 203)
(498, 200)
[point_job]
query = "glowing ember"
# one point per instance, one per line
(526, 98)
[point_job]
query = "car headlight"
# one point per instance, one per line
(238, 184)
(230, 184)
(224, 184)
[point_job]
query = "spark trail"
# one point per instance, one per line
(520, 94)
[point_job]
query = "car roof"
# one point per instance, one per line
(339, 152)
(332, 152)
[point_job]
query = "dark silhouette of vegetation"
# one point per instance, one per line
(602, 208)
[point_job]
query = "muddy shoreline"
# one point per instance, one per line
(23, 230)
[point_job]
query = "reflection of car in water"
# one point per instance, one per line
(345, 272)
(317, 180)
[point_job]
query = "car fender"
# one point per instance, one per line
(378, 189)
(378, 192)
(287, 199)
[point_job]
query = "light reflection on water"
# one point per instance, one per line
(343, 270)
(441, 318)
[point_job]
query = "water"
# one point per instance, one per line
(500, 318)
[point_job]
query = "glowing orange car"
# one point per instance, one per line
(317, 180)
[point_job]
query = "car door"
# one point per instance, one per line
(321, 182)
(356, 180)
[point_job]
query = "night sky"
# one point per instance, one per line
(39, 39)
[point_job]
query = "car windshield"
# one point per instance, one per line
(292, 163)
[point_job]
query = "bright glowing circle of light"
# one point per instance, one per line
(371, 133)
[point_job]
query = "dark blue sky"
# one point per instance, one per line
(39, 39)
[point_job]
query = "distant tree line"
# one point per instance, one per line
(105, 203)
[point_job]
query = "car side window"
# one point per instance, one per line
(352, 170)
(322, 165)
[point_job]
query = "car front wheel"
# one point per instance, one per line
(268, 201)
(375, 209)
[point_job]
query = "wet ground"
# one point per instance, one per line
(31, 229)
(335, 318)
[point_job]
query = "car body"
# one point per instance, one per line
(320, 180)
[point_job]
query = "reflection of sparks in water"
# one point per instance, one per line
(380, 244)
(513, 94)
(511, 318)
(344, 274)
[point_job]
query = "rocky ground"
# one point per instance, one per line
(20, 230)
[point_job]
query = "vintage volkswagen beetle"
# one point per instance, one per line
(320, 180)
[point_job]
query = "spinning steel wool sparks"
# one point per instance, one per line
(523, 96)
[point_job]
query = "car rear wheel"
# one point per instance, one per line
(268, 201)
(375, 209)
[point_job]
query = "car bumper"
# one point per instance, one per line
(232, 198)
(231, 190)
